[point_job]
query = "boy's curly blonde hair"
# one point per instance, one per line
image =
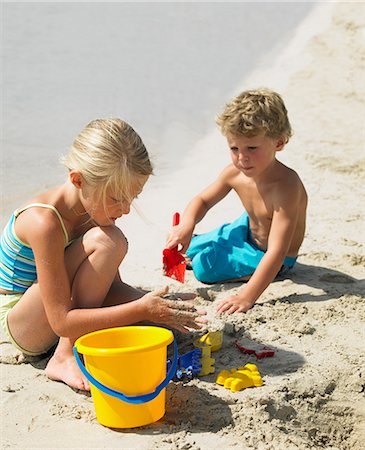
(253, 112)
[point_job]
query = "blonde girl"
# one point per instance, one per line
(60, 254)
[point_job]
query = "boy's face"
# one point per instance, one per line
(253, 155)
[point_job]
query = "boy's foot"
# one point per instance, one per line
(188, 263)
(64, 368)
(237, 280)
(231, 280)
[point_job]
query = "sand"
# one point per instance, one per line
(314, 386)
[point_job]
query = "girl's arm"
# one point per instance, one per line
(47, 241)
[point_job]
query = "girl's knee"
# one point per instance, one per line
(108, 239)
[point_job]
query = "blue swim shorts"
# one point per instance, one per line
(227, 253)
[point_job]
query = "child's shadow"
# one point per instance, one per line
(333, 283)
(192, 409)
(283, 362)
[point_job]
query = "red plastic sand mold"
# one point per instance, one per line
(252, 348)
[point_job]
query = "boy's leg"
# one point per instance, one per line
(91, 263)
(225, 254)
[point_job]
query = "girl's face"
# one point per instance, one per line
(106, 212)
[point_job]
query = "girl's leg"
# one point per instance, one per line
(92, 263)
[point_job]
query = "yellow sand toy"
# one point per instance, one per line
(207, 362)
(213, 339)
(241, 378)
(210, 342)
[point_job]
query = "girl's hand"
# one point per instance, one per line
(180, 235)
(234, 303)
(173, 313)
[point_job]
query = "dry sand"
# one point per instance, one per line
(314, 386)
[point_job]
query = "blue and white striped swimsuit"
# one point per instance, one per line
(17, 264)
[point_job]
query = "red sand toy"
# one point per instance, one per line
(174, 264)
(252, 348)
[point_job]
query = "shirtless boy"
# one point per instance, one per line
(265, 240)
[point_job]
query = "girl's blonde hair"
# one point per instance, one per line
(109, 154)
(255, 111)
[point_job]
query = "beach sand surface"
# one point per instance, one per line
(314, 386)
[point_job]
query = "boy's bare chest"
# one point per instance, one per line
(258, 204)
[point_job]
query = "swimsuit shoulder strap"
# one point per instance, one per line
(45, 205)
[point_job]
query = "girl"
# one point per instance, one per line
(60, 253)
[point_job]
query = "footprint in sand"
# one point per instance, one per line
(355, 259)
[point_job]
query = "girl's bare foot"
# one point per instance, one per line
(63, 367)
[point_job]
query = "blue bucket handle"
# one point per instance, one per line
(134, 399)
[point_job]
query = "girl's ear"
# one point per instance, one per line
(76, 179)
(280, 143)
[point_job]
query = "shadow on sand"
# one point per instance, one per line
(334, 283)
(189, 408)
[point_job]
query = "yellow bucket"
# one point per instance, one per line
(126, 368)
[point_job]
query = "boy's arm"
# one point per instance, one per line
(198, 207)
(282, 229)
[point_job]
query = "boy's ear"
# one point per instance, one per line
(76, 179)
(280, 143)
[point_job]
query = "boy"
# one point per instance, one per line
(265, 240)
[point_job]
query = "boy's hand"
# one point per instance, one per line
(173, 313)
(179, 235)
(234, 303)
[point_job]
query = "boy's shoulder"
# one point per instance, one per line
(230, 172)
(287, 176)
(288, 186)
